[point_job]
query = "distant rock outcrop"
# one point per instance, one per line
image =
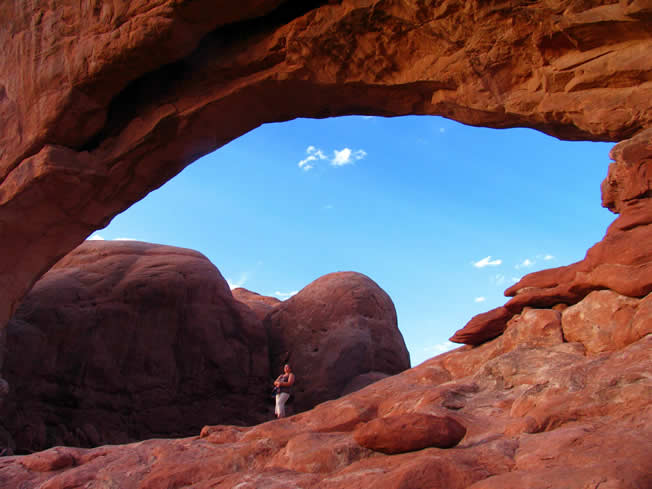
(123, 341)
(621, 262)
(260, 304)
(337, 328)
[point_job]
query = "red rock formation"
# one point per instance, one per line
(123, 341)
(337, 328)
(100, 105)
(536, 409)
(621, 262)
(260, 304)
(409, 433)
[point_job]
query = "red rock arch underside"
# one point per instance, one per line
(102, 102)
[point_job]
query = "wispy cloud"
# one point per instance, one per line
(548, 257)
(347, 156)
(442, 130)
(124, 239)
(487, 262)
(329, 206)
(499, 279)
(285, 295)
(527, 263)
(239, 283)
(440, 347)
(95, 237)
(480, 299)
(341, 157)
(314, 155)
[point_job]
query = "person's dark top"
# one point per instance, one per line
(285, 378)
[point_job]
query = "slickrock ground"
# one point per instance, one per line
(123, 341)
(538, 412)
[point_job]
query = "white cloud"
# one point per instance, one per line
(314, 154)
(442, 130)
(285, 295)
(487, 262)
(548, 257)
(239, 283)
(525, 264)
(95, 237)
(516, 279)
(480, 299)
(329, 206)
(440, 348)
(125, 239)
(346, 156)
(499, 279)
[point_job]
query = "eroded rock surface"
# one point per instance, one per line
(535, 409)
(123, 341)
(100, 104)
(621, 262)
(337, 328)
(262, 305)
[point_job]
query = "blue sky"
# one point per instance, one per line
(443, 216)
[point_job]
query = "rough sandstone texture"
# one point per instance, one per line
(260, 304)
(124, 341)
(101, 103)
(409, 432)
(532, 409)
(336, 332)
(621, 262)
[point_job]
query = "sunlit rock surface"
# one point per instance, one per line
(102, 103)
(621, 262)
(533, 406)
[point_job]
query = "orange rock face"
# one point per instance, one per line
(336, 332)
(528, 407)
(621, 262)
(100, 105)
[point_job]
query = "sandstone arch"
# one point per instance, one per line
(102, 102)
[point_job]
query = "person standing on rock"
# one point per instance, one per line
(283, 386)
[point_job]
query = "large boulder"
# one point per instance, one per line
(124, 341)
(340, 328)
